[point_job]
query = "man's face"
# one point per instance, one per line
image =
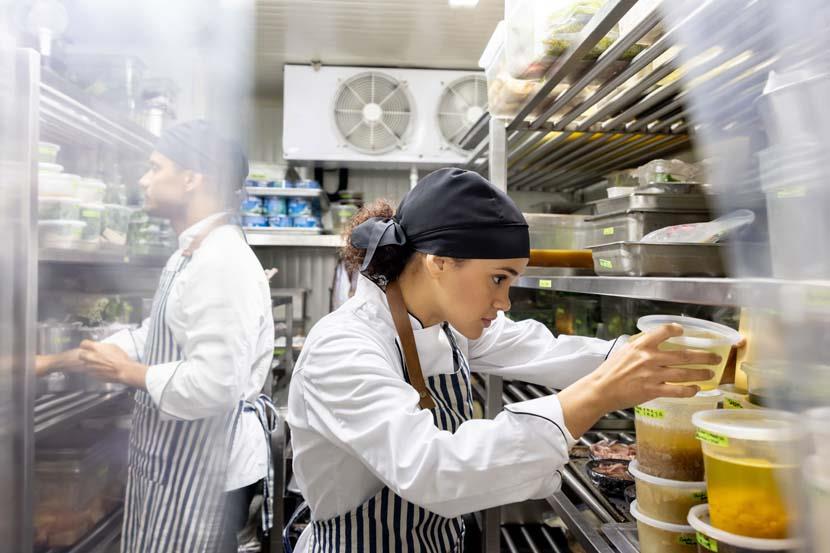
(165, 187)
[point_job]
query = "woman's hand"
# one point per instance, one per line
(638, 372)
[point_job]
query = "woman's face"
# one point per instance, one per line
(472, 292)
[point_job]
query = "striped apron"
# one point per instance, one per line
(389, 523)
(177, 469)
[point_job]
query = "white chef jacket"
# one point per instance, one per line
(357, 427)
(219, 311)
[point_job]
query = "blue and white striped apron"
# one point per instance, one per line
(178, 469)
(389, 523)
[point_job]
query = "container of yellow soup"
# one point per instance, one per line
(666, 442)
(662, 537)
(751, 462)
(697, 334)
(711, 539)
(666, 500)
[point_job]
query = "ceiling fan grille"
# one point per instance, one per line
(373, 112)
(462, 104)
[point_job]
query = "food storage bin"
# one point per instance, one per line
(794, 182)
(817, 495)
(300, 207)
(306, 221)
(280, 221)
(341, 216)
(734, 398)
(666, 444)
(751, 460)
(47, 152)
(557, 232)
(662, 537)
(711, 539)
(252, 205)
(60, 234)
(268, 176)
(93, 215)
(91, 191)
(632, 225)
(49, 167)
(663, 170)
(56, 184)
(117, 224)
(666, 500)
(254, 221)
(505, 95)
(274, 206)
(697, 334)
(640, 259)
(51, 208)
(773, 383)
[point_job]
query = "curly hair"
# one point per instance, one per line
(389, 261)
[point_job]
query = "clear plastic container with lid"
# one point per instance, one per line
(60, 234)
(734, 398)
(91, 190)
(817, 494)
(666, 500)
(116, 224)
(751, 460)
(56, 184)
(712, 539)
(50, 208)
(697, 334)
(48, 152)
(505, 94)
(818, 425)
(93, 215)
(662, 537)
(666, 443)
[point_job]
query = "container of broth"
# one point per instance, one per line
(751, 462)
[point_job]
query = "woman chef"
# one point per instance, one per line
(199, 445)
(386, 452)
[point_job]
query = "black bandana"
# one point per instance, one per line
(451, 213)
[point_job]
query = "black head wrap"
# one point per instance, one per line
(198, 146)
(451, 213)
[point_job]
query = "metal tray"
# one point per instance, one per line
(652, 201)
(631, 225)
(637, 259)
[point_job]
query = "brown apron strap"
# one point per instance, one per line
(410, 351)
(197, 241)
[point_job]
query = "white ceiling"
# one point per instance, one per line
(401, 33)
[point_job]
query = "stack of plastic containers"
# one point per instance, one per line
(751, 462)
(285, 211)
(59, 209)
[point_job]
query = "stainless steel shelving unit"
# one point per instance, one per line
(53, 412)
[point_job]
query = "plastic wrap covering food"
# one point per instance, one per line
(539, 31)
(505, 95)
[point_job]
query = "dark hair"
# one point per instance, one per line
(389, 261)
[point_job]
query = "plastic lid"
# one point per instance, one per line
(752, 424)
(659, 524)
(699, 519)
(61, 223)
(49, 145)
(94, 205)
(723, 334)
(494, 47)
(93, 183)
(634, 469)
(701, 397)
(49, 167)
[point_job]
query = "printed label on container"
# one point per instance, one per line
(712, 438)
(706, 543)
(792, 192)
(730, 403)
(686, 539)
(608, 231)
(605, 264)
(545, 284)
(91, 213)
(700, 496)
(649, 412)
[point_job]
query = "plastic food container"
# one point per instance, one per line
(666, 443)
(117, 224)
(60, 234)
(280, 221)
(47, 152)
(254, 221)
(91, 190)
(56, 184)
(662, 537)
(305, 222)
(697, 334)
(751, 463)
(299, 207)
(818, 425)
(662, 170)
(733, 398)
(58, 208)
(251, 205)
(505, 95)
(711, 539)
(771, 384)
(631, 225)
(93, 215)
(666, 500)
(49, 167)
(307, 184)
(557, 232)
(341, 215)
(817, 493)
(274, 206)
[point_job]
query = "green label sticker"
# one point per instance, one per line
(686, 539)
(649, 412)
(792, 192)
(545, 284)
(711, 438)
(707, 543)
(605, 264)
(91, 213)
(700, 496)
(608, 231)
(730, 403)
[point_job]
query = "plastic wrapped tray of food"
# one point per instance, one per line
(631, 225)
(637, 259)
(652, 201)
